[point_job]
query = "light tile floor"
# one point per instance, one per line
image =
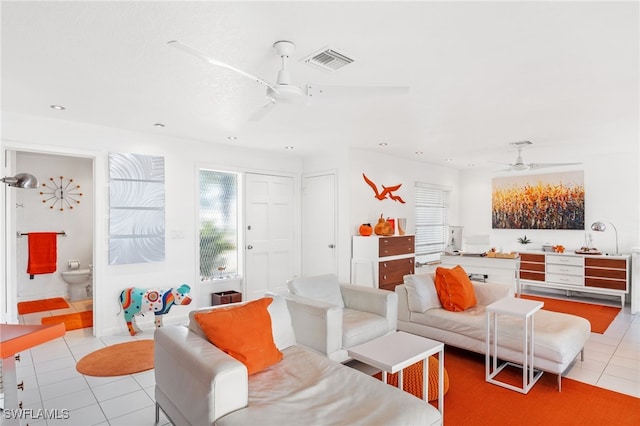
(612, 361)
(52, 382)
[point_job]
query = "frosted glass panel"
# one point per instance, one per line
(136, 215)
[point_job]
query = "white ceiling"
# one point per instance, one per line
(481, 75)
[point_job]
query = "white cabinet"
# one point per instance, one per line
(575, 272)
(382, 262)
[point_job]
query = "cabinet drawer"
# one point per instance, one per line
(603, 262)
(565, 260)
(534, 276)
(393, 271)
(529, 266)
(528, 257)
(604, 283)
(620, 274)
(566, 279)
(565, 269)
(394, 246)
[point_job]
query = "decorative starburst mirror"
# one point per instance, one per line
(62, 193)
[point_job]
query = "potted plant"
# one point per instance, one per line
(524, 240)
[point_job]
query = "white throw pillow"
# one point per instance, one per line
(421, 292)
(283, 335)
(325, 288)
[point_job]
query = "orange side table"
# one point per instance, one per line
(14, 339)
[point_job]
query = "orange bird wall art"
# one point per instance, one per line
(387, 191)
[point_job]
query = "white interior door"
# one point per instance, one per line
(269, 234)
(319, 217)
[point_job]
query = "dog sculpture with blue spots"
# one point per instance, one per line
(136, 301)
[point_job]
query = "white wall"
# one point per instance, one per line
(32, 215)
(26, 133)
(388, 171)
(611, 183)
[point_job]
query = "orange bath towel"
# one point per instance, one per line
(43, 255)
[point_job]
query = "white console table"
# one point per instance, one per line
(487, 265)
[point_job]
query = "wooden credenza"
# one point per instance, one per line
(382, 262)
(585, 273)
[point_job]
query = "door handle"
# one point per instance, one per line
(249, 247)
(332, 246)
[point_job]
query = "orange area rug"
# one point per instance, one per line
(41, 305)
(118, 360)
(599, 316)
(472, 401)
(73, 321)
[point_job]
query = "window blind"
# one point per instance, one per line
(431, 221)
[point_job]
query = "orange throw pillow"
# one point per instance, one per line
(454, 289)
(244, 332)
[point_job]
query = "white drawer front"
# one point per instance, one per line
(566, 279)
(565, 269)
(565, 260)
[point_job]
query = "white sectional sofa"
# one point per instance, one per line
(559, 337)
(199, 384)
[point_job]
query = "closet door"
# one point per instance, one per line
(319, 218)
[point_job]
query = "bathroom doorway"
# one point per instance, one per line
(62, 204)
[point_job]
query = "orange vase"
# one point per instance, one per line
(381, 226)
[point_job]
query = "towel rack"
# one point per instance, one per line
(21, 234)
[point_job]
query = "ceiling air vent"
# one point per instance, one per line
(328, 59)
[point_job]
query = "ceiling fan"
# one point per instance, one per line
(283, 90)
(520, 165)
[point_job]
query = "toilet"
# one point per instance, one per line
(79, 281)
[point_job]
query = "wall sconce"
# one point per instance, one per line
(601, 227)
(21, 180)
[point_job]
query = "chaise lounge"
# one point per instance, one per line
(199, 384)
(559, 337)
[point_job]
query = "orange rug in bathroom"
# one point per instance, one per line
(73, 321)
(42, 305)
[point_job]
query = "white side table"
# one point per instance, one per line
(520, 308)
(394, 352)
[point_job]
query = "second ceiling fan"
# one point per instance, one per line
(283, 90)
(520, 165)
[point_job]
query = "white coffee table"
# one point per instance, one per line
(396, 351)
(519, 308)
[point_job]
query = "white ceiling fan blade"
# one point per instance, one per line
(321, 91)
(533, 166)
(259, 114)
(190, 50)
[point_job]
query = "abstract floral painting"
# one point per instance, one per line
(136, 209)
(545, 201)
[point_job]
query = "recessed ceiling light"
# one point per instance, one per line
(57, 107)
(288, 147)
(449, 160)
(383, 144)
(471, 165)
(158, 125)
(232, 138)
(419, 152)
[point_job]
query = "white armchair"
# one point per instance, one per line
(329, 317)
